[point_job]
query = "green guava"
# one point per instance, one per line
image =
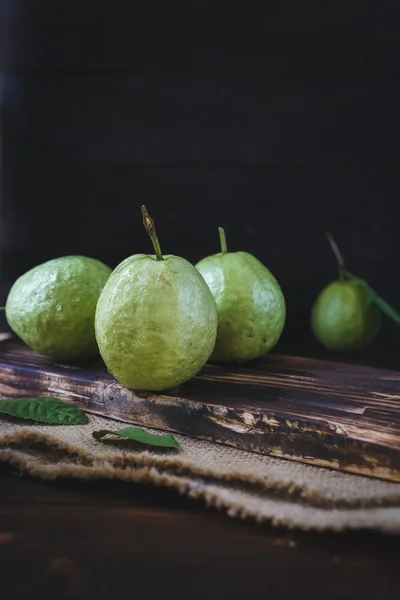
(344, 317)
(156, 320)
(52, 306)
(250, 304)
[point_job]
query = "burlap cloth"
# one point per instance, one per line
(243, 484)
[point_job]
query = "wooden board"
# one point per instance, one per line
(80, 541)
(335, 415)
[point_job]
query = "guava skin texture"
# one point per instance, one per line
(343, 317)
(156, 322)
(250, 305)
(52, 306)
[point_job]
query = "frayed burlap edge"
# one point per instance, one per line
(145, 468)
(193, 489)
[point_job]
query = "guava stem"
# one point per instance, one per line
(338, 255)
(2, 308)
(222, 239)
(151, 230)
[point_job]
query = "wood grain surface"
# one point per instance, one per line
(73, 541)
(340, 416)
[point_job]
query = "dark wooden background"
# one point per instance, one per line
(277, 120)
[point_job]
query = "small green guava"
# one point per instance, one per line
(346, 314)
(344, 317)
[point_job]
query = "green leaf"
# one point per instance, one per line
(379, 301)
(139, 435)
(44, 410)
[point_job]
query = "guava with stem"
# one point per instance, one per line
(250, 304)
(156, 319)
(347, 313)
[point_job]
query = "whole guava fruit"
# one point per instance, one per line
(156, 320)
(344, 317)
(52, 306)
(250, 304)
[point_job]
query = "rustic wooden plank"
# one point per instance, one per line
(344, 417)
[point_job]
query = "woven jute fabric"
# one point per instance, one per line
(243, 484)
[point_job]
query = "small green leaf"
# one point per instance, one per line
(379, 301)
(139, 435)
(44, 410)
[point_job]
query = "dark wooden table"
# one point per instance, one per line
(68, 540)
